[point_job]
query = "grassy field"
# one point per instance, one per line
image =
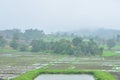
(7, 50)
(109, 53)
(117, 47)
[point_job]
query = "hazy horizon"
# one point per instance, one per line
(59, 15)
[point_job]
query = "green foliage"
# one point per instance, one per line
(2, 41)
(111, 43)
(33, 34)
(23, 47)
(59, 43)
(63, 46)
(116, 47)
(38, 45)
(99, 75)
(108, 53)
(77, 41)
(75, 47)
(14, 43)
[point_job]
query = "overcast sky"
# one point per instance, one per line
(59, 15)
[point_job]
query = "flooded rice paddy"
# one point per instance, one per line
(64, 77)
(14, 64)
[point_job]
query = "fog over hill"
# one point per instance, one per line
(100, 33)
(59, 15)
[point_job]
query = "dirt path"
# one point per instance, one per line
(116, 74)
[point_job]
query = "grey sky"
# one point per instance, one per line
(55, 15)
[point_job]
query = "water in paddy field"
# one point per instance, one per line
(64, 77)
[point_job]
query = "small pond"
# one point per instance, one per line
(65, 77)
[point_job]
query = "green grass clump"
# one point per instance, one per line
(31, 75)
(99, 75)
(108, 53)
(27, 76)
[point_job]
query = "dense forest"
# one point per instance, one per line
(35, 40)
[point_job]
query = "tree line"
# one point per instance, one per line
(35, 41)
(25, 35)
(77, 46)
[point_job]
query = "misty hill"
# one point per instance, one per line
(99, 33)
(38, 34)
(27, 34)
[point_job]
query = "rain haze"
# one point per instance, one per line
(59, 15)
(59, 39)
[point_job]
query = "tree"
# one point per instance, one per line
(15, 41)
(101, 51)
(110, 43)
(2, 41)
(23, 47)
(76, 41)
(33, 34)
(63, 46)
(38, 45)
